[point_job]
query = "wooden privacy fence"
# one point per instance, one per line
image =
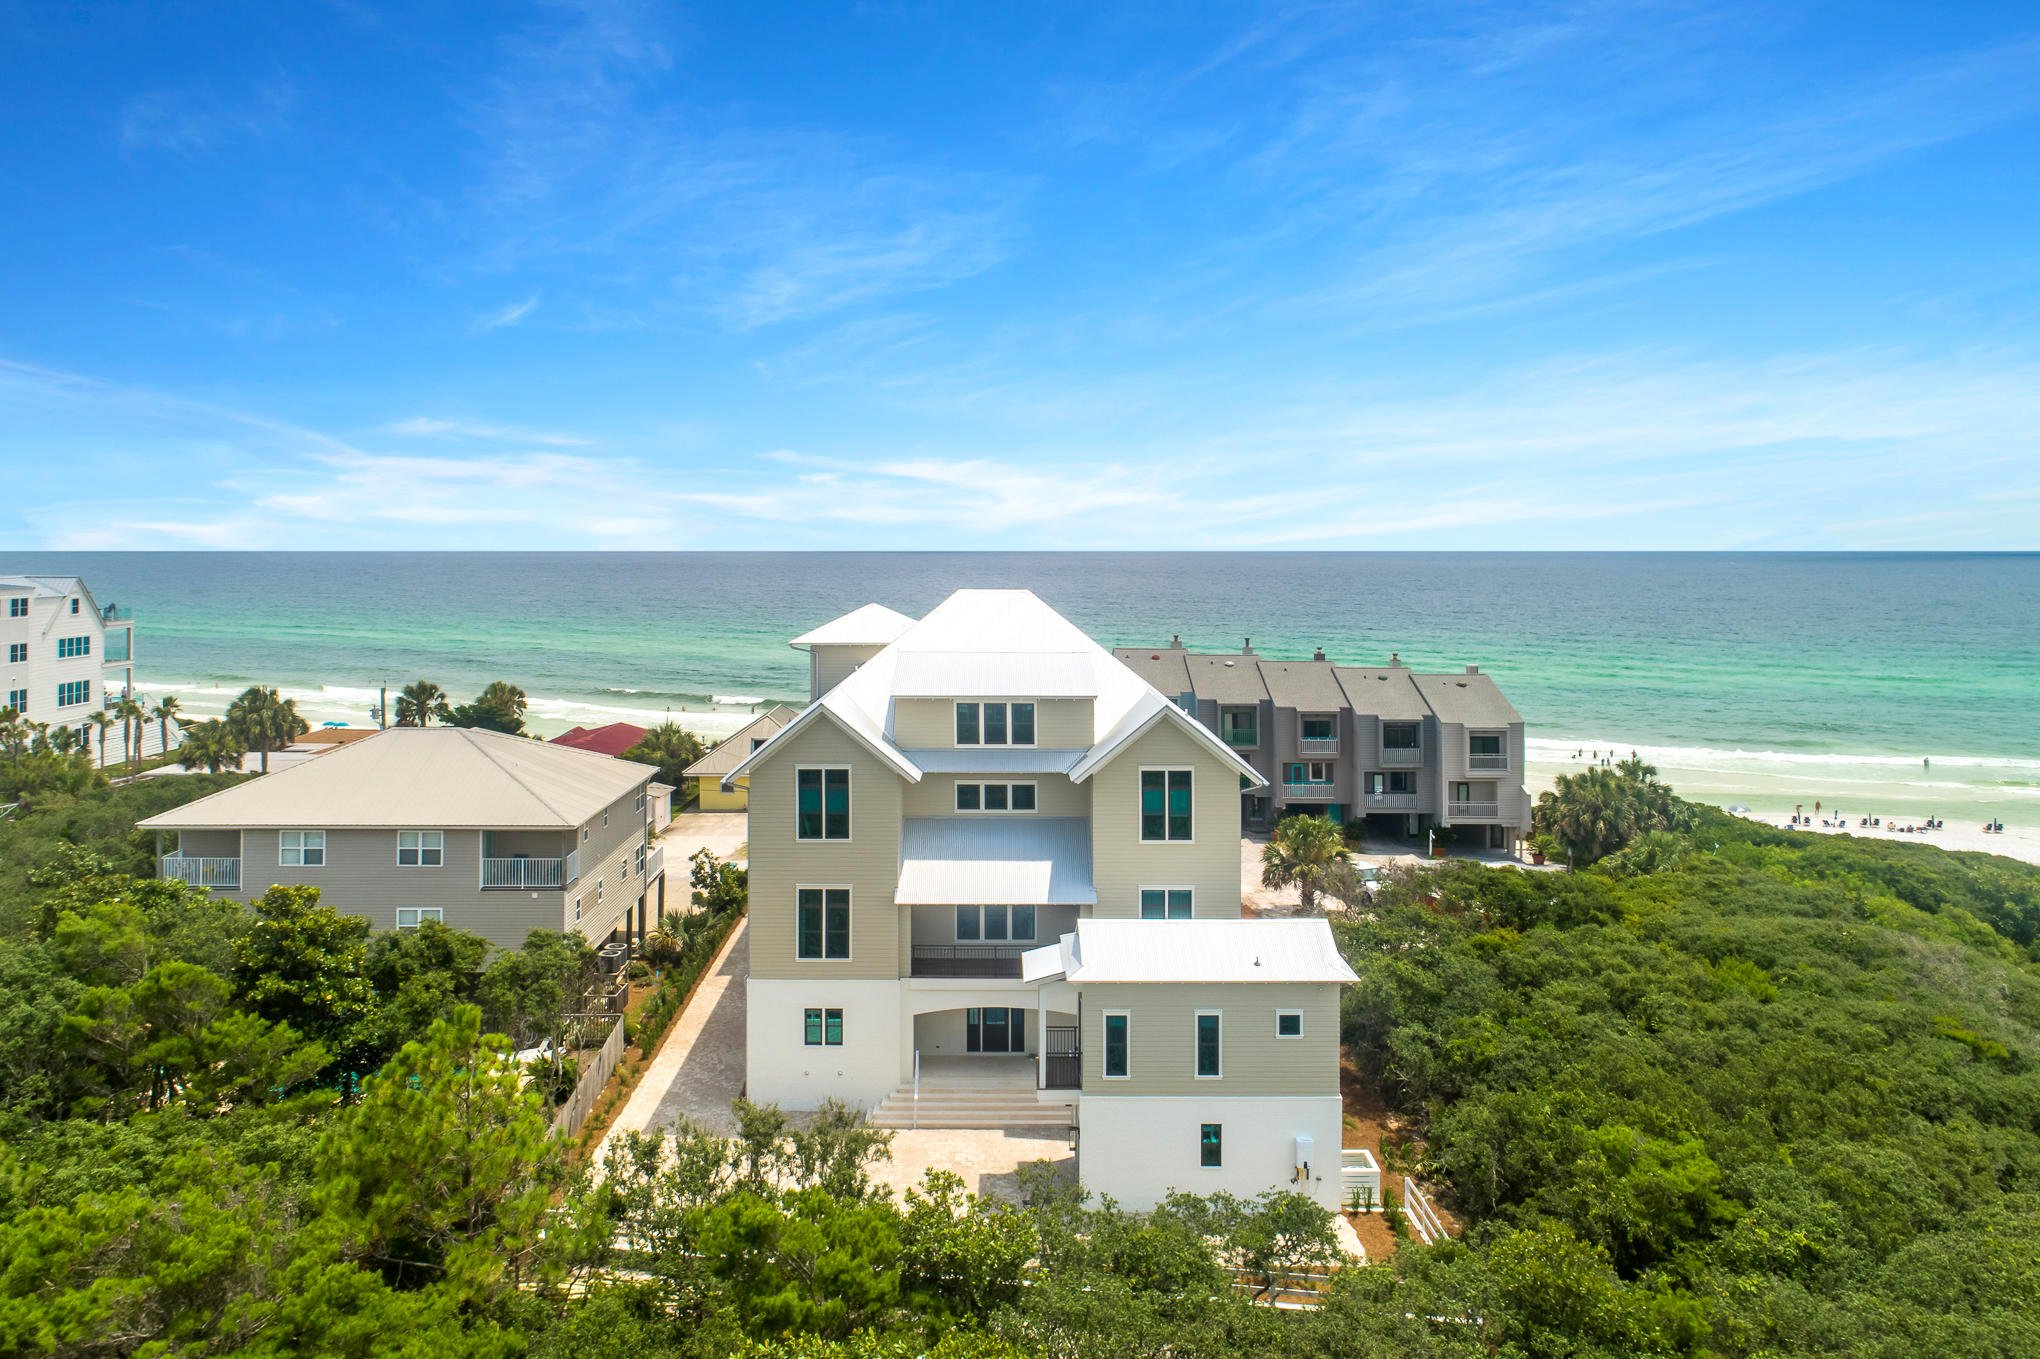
(581, 1103)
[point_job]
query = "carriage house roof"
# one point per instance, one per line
(995, 643)
(1022, 861)
(435, 777)
(731, 750)
(1192, 951)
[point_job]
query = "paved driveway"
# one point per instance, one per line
(700, 1068)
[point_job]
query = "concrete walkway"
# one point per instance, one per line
(699, 1069)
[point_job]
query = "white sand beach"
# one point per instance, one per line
(2016, 842)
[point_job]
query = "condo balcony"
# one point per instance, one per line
(1240, 737)
(1401, 757)
(993, 961)
(1305, 781)
(1473, 811)
(1487, 763)
(521, 871)
(1326, 746)
(222, 873)
(1389, 802)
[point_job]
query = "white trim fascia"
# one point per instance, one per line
(1101, 755)
(890, 754)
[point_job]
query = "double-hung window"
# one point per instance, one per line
(17, 606)
(641, 860)
(1165, 804)
(823, 812)
(73, 692)
(1118, 1045)
(301, 848)
(421, 849)
(67, 647)
(822, 1027)
(17, 652)
(1164, 903)
(1208, 1023)
(411, 917)
(17, 699)
(995, 797)
(823, 927)
(994, 923)
(995, 724)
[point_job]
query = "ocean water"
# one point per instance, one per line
(1765, 679)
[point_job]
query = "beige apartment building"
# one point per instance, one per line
(958, 853)
(497, 835)
(1406, 750)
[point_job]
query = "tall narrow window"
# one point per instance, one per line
(1207, 1043)
(1165, 804)
(1023, 922)
(995, 724)
(967, 724)
(822, 804)
(822, 929)
(1211, 1146)
(1116, 1044)
(1023, 724)
(967, 924)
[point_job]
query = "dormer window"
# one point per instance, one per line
(995, 724)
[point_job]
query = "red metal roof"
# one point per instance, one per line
(613, 739)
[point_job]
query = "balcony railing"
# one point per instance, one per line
(1487, 762)
(519, 873)
(968, 960)
(573, 867)
(655, 862)
(1328, 745)
(115, 613)
(1473, 811)
(1243, 738)
(1401, 757)
(204, 872)
(1289, 782)
(1390, 802)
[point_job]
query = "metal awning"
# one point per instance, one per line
(993, 859)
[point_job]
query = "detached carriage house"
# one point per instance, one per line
(995, 880)
(497, 835)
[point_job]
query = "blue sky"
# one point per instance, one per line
(898, 275)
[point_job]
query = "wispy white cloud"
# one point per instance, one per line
(505, 316)
(203, 119)
(430, 427)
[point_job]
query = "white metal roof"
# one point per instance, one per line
(995, 674)
(43, 586)
(734, 747)
(871, 625)
(993, 759)
(1050, 960)
(1205, 951)
(427, 777)
(995, 860)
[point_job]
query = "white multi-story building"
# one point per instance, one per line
(68, 656)
(995, 880)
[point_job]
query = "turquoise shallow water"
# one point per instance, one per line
(1764, 678)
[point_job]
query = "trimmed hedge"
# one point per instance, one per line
(677, 982)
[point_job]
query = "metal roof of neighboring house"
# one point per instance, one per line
(1015, 630)
(43, 586)
(1307, 686)
(1471, 698)
(430, 777)
(993, 861)
(994, 760)
(611, 740)
(871, 625)
(995, 674)
(1203, 951)
(731, 750)
(1388, 692)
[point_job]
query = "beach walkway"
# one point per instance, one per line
(699, 1069)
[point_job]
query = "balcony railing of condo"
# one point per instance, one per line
(968, 960)
(1240, 738)
(523, 872)
(200, 872)
(1487, 762)
(1291, 781)
(1473, 811)
(1401, 757)
(1327, 746)
(1390, 802)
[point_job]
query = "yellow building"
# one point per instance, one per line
(712, 767)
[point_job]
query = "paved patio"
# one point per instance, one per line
(989, 1159)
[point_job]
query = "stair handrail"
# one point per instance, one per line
(917, 1089)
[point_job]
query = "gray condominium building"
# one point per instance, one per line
(1406, 750)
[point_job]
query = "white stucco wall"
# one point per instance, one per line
(1139, 1148)
(781, 1069)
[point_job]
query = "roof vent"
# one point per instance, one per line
(1176, 642)
(1473, 670)
(1157, 656)
(1247, 647)
(1228, 665)
(1257, 961)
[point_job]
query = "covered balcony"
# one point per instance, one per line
(1389, 802)
(1473, 809)
(980, 892)
(222, 873)
(521, 861)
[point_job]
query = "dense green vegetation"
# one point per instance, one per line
(1729, 1091)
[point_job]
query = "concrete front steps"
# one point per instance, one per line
(970, 1106)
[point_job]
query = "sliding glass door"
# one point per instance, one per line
(995, 1029)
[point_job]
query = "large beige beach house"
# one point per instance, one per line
(995, 880)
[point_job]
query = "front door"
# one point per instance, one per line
(995, 1029)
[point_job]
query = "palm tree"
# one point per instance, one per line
(63, 740)
(1593, 813)
(419, 703)
(100, 721)
(1307, 852)
(211, 746)
(132, 716)
(163, 714)
(671, 747)
(264, 721)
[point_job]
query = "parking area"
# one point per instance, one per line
(989, 1159)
